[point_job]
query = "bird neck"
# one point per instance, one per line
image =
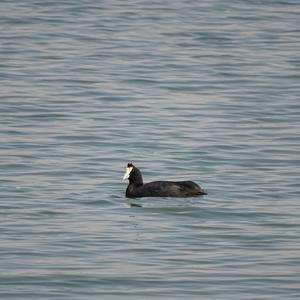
(136, 177)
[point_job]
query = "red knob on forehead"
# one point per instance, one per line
(130, 164)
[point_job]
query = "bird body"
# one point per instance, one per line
(136, 188)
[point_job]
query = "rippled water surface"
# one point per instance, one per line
(189, 90)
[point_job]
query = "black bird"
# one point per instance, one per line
(136, 188)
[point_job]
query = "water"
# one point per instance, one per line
(199, 90)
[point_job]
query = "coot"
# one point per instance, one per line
(136, 188)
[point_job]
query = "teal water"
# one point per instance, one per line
(188, 90)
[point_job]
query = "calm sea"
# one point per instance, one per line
(188, 90)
